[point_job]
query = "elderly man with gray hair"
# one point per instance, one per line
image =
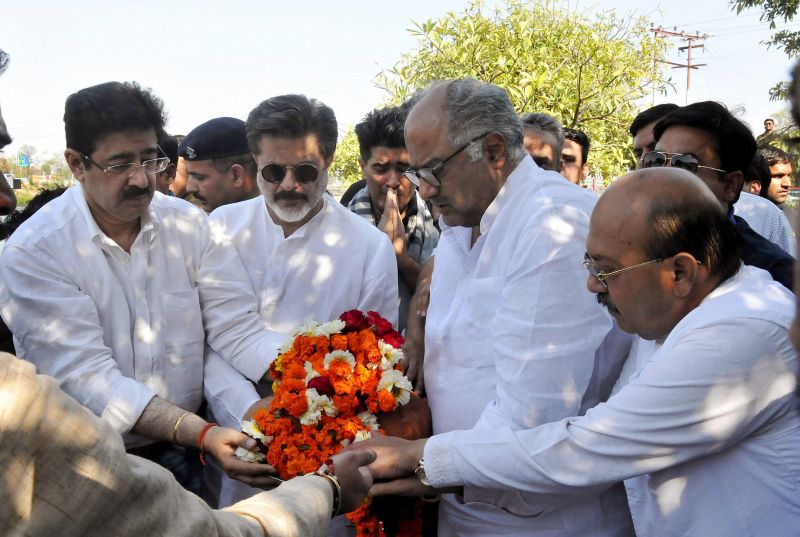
(543, 140)
(511, 337)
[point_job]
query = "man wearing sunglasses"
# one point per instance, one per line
(390, 201)
(511, 336)
(219, 165)
(707, 140)
(307, 257)
(103, 289)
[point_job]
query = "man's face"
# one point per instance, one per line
(636, 298)
(211, 187)
(165, 178)
(541, 147)
(466, 188)
(701, 145)
(769, 125)
(384, 171)
(290, 200)
(8, 200)
(116, 200)
(572, 162)
(644, 142)
(781, 181)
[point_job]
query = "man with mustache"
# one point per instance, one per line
(702, 425)
(102, 290)
(307, 257)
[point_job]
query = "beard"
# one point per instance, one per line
(604, 299)
(297, 211)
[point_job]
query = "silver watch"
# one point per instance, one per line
(420, 473)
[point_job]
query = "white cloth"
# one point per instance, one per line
(511, 334)
(766, 219)
(335, 262)
(705, 430)
(116, 328)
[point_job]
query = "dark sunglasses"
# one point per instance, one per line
(431, 175)
(304, 173)
(658, 159)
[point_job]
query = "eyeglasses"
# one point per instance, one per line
(602, 276)
(305, 172)
(124, 171)
(657, 159)
(429, 174)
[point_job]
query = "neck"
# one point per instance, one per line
(121, 232)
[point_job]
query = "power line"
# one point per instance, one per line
(689, 39)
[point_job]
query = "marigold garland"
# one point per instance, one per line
(330, 382)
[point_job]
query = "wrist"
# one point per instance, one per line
(336, 489)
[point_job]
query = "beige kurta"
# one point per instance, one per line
(65, 472)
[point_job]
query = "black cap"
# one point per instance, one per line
(217, 138)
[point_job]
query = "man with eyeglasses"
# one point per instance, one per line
(307, 257)
(219, 165)
(511, 336)
(390, 201)
(707, 140)
(641, 129)
(103, 289)
(702, 425)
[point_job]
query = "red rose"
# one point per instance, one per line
(354, 320)
(393, 338)
(322, 385)
(382, 326)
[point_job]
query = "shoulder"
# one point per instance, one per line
(349, 222)
(176, 207)
(54, 218)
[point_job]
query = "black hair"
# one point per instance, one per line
(650, 115)
(774, 155)
(381, 127)
(169, 145)
(246, 161)
(758, 170)
(580, 138)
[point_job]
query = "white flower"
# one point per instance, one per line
(369, 419)
(249, 456)
(345, 356)
(250, 428)
(310, 372)
(317, 404)
(398, 384)
(361, 436)
(287, 345)
(322, 329)
(390, 356)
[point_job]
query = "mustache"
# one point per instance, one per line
(290, 196)
(605, 300)
(130, 192)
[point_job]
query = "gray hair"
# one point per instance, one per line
(473, 108)
(545, 123)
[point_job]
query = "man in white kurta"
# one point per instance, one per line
(702, 426)
(511, 335)
(306, 263)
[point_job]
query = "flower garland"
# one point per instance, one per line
(330, 382)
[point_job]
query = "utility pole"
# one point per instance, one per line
(690, 45)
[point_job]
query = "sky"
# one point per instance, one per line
(207, 59)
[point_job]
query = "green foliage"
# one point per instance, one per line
(345, 161)
(773, 11)
(587, 72)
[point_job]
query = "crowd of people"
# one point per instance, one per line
(609, 366)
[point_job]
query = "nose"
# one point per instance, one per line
(289, 182)
(8, 200)
(393, 178)
(594, 285)
(140, 178)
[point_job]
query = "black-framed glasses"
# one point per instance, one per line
(273, 172)
(124, 171)
(429, 175)
(657, 159)
(602, 276)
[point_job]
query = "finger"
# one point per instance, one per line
(364, 457)
(423, 301)
(232, 465)
(420, 385)
(408, 486)
(411, 372)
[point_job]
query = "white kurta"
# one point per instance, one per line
(117, 328)
(334, 263)
(704, 429)
(511, 335)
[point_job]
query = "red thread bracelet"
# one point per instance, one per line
(202, 437)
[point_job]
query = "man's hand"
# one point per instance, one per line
(261, 403)
(396, 457)
(392, 223)
(354, 477)
(405, 486)
(221, 442)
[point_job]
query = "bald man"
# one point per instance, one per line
(701, 425)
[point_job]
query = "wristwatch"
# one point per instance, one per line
(420, 473)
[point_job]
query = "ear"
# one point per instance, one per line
(754, 187)
(361, 164)
(584, 171)
(733, 185)
(76, 164)
(685, 271)
(495, 150)
(238, 174)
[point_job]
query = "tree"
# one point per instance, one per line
(345, 161)
(773, 11)
(587, 72)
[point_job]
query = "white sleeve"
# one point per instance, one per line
(57, 327)
(228, 392)
(680, 408)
